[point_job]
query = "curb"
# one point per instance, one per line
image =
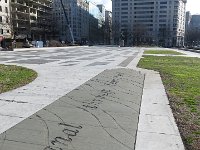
(157, 129)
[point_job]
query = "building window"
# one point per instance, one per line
(163, 2)
(6, 19)
(6, 9)
(124, 4)
(163, 7)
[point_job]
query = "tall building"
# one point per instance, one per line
(195, 22)
(102, 11)
(85, 19)
(193, 31)
(5, 24)
(108, 27)
(96, 23)
(188, 18)
(78, 15)
(31, 19)
(93, 23)
(160, 22)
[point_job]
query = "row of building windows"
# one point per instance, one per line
(6, 1)
(140, 4)
(6, 9)
(3, 31)
(1, 19)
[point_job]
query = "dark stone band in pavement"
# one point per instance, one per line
(128, 60)
(101, 114)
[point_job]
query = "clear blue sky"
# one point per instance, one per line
(192, 5)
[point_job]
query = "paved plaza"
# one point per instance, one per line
(86, 98)
(59, 71)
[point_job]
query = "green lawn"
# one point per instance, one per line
(181, 78)
(167, 52)
(12, 77)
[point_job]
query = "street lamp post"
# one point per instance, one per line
(67, 20)
(44, 29)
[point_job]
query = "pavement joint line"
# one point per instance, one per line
(12, 116)
(13, 101)
(154, 115)
(158, 133)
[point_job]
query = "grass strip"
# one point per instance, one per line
(167, 52)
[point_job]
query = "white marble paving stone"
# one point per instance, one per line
(151, 96)
(7, 122)
(155, 141)
(156, 109)
(20, 109)
(157, 124)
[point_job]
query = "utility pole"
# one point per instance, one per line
(67, 20)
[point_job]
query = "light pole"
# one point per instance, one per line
(44, 29)
(67, 20)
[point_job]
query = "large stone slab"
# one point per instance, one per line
(101, 114)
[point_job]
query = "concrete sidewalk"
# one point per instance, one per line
(82, 117)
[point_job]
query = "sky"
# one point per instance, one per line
(107, 3)
(192, 5)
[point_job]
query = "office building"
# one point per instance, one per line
(195, 22)
(108, 27)
(160, 22)
(192, 30)
(96, 23)
(102, 11)
(188, 18)
(86, 20)
(31, 19)
(5, 23)
(78, 15)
